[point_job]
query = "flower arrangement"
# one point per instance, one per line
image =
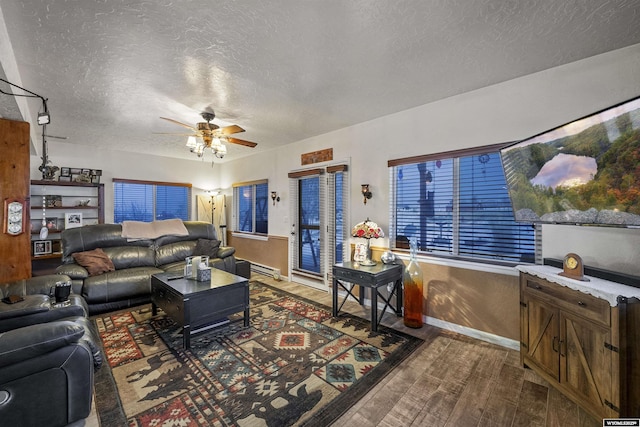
(367, 230)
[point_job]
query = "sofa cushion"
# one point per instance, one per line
(94, 236)
(95, 261)
(174, 252)
(208, 247)
(131, 256)
(28, 342)
(118, 285)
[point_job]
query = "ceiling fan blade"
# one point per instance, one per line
(173, 133)
(230, 130)
(241, 142)
(179, 123)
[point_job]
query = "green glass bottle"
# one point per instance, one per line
(413, 290)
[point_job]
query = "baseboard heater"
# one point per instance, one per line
(266, 270)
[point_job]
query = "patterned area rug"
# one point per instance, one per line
(295, 365)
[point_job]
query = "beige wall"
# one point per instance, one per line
(484, 301)
(273, 252)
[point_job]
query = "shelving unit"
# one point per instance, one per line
(68, 195)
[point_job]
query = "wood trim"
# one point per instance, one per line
(245, 183)
(308, 172)
(337, 168)
(137, 181)
(448, 154)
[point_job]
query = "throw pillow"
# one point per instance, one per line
(208, 247)
(95, 261)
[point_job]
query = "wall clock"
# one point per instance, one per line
(573, 267)
(14, 217)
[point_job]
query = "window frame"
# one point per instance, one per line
(455, 156)
(154, 187)
(254, 206)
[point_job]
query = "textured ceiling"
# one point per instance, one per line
(283, 70)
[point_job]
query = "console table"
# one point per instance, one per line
(369, 277)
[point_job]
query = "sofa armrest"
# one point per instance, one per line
(37, 309)
(30, 304)
(225, 251)
(32, 286)
(73, 270)
(31, 341)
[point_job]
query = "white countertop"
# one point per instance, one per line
(599, 288)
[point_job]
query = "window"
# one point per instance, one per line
(457, 204)
(148, 201)
(251, 207)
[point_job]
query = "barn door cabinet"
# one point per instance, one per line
(583, 345)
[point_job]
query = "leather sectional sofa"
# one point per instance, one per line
(129, 284)
(48, 355)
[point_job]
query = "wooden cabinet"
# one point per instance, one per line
(64, 201)
(573, 340)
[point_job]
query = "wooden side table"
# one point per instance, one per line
(373, 278)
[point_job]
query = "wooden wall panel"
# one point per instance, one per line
(273, 252)
(15, 251)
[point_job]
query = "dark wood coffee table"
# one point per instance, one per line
(199, 306)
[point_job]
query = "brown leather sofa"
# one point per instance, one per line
(134, 261)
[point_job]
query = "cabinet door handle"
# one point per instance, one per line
(562, 344)
(582, 304)
(554, 344)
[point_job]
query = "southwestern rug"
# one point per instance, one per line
(295, 365)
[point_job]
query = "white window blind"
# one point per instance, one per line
(457, 204)
(149, 200)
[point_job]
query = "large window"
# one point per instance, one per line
(251, 207)
(457, 204)
(149, 201)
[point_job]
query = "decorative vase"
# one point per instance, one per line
(368, 261)
(413, 290)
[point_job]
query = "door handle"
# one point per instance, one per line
(554, 344)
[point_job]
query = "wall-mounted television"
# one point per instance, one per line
(586, 172)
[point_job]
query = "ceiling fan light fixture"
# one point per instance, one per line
(192, 142)
(220, 151)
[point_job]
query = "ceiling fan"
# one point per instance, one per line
(209, 135)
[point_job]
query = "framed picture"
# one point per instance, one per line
(65, 171)
(52, 223)
(75, 171)
(86, 172)
(41, 247)
(95, 179)
(360, 252)
(72, 220)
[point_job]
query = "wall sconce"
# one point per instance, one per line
(275, 197)
(366, 193)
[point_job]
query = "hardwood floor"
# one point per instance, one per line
(453, 380)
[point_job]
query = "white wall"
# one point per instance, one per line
(119, 164)
(505, 112)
